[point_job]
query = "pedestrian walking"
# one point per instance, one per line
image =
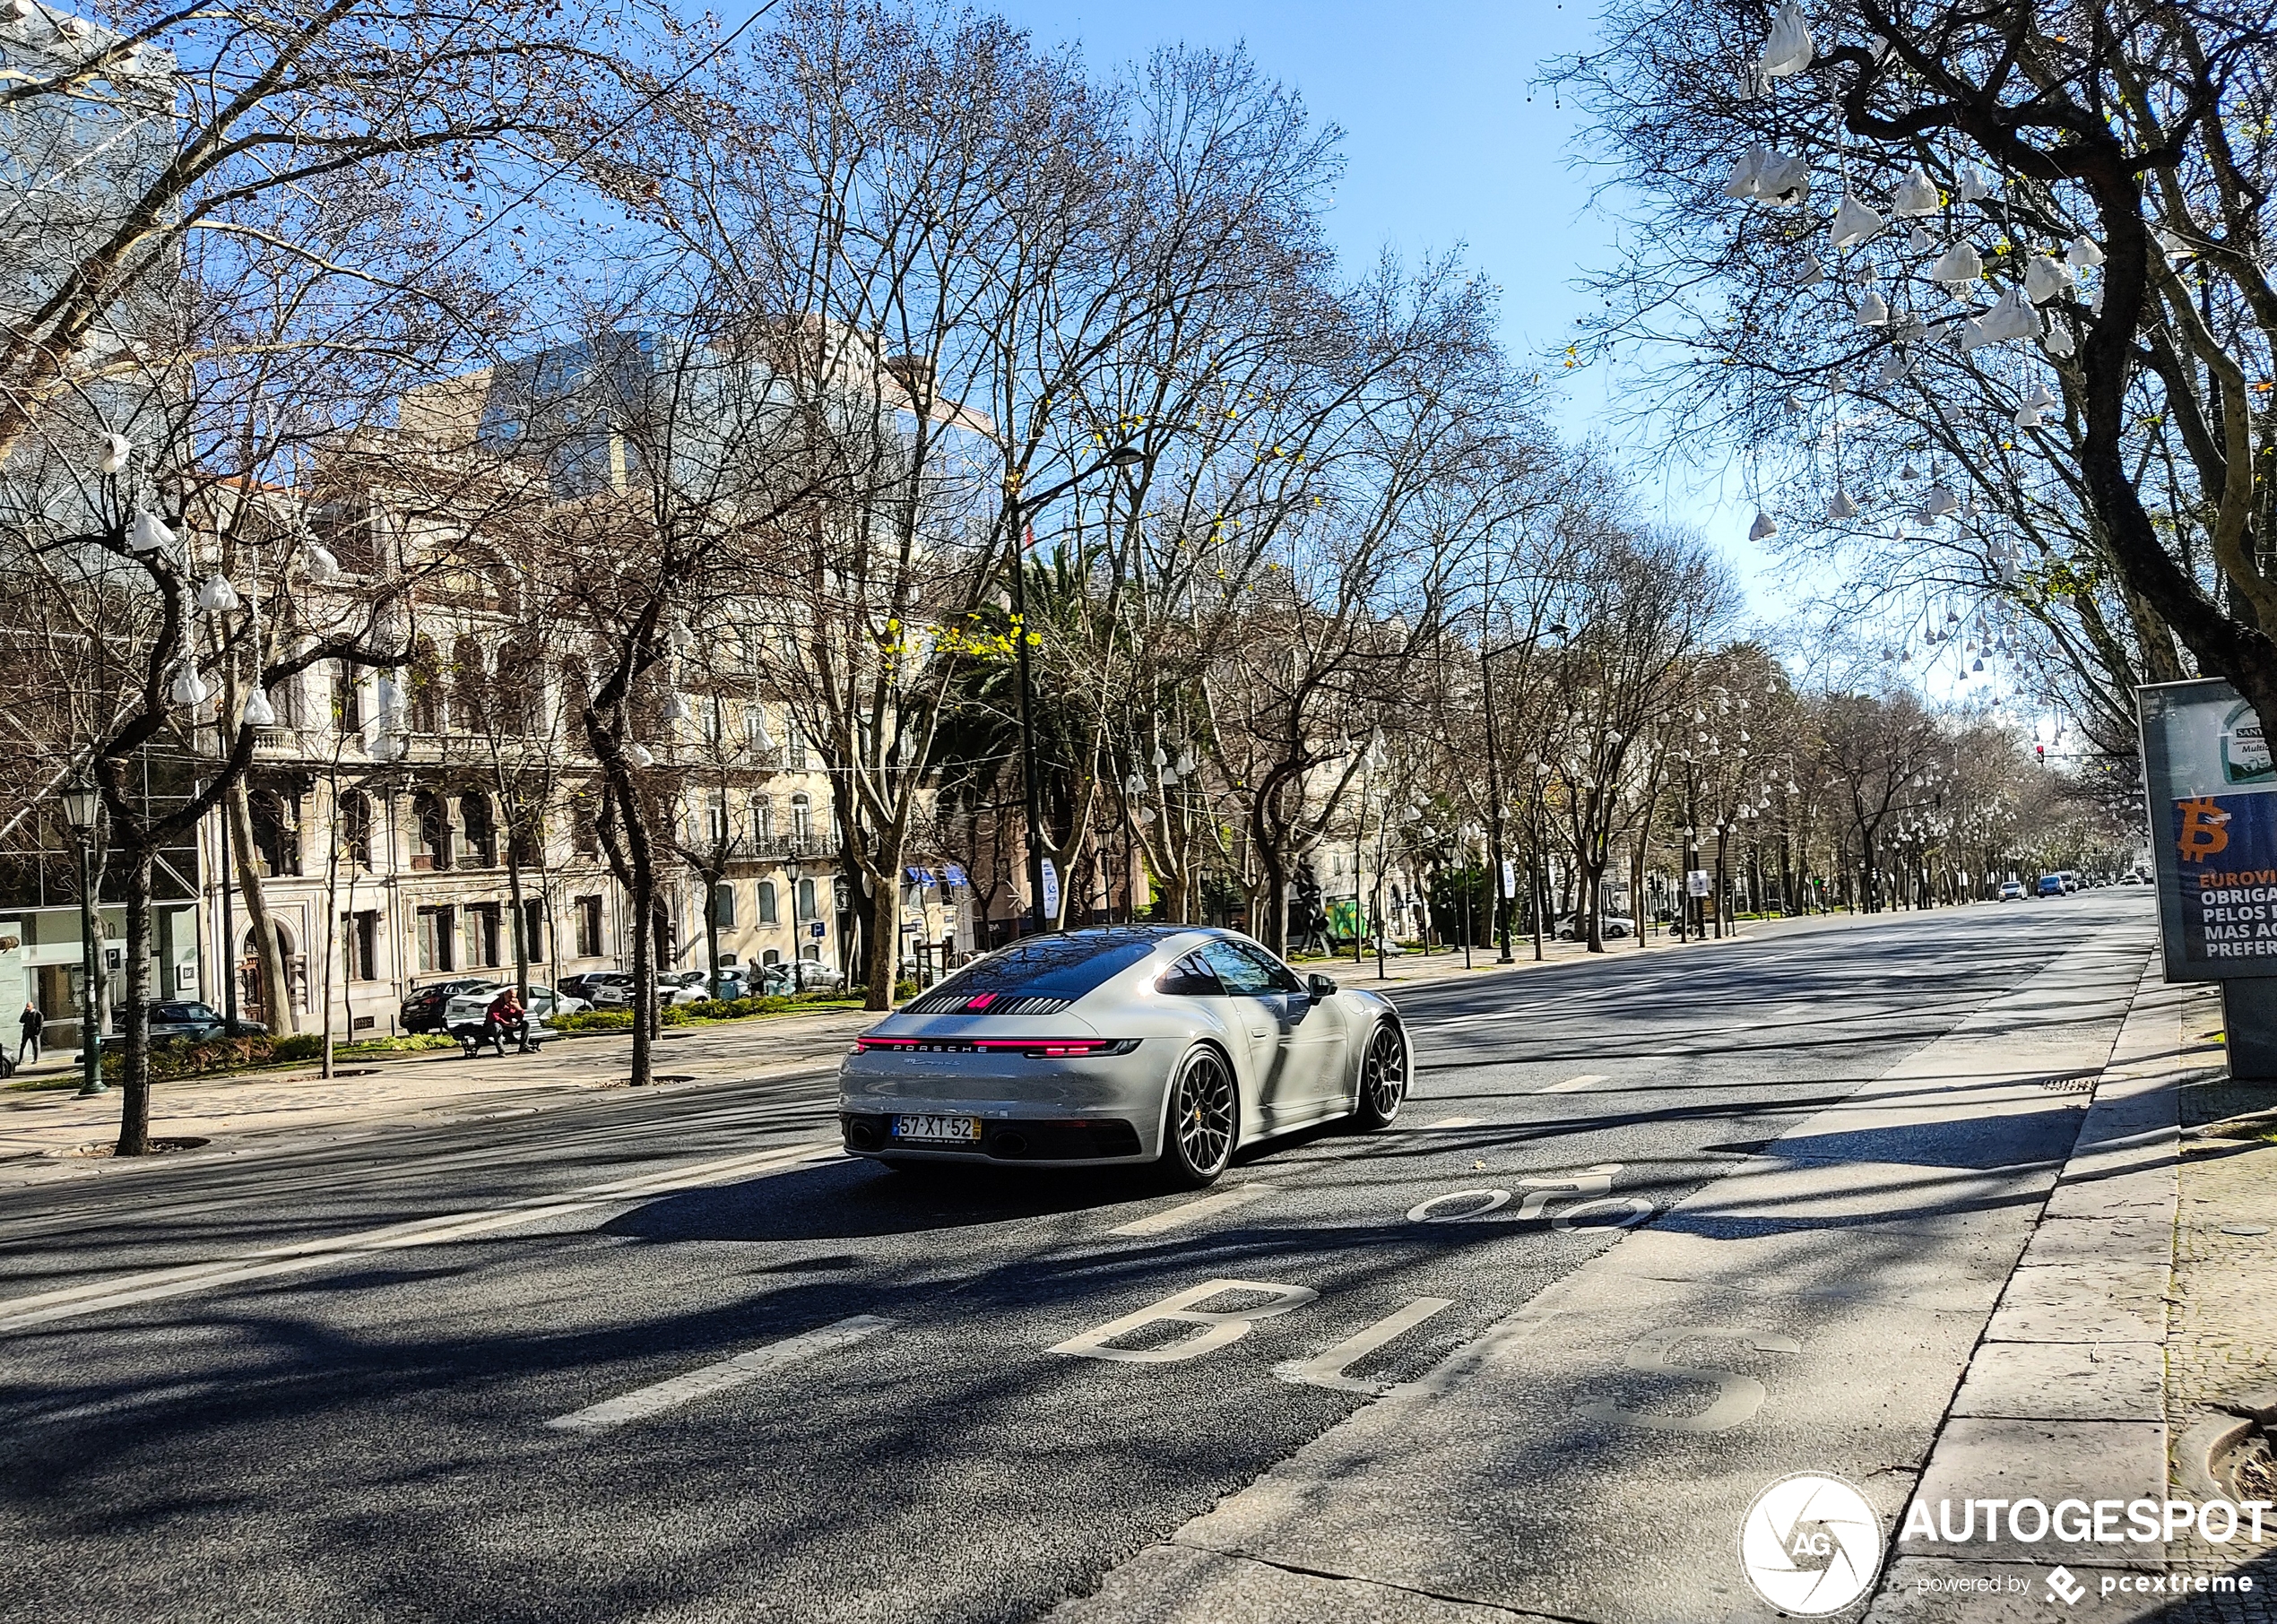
(32, 1023)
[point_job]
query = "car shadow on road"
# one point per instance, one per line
(849, 1200)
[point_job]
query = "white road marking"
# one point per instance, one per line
(1632, 1210)
(1426, 1212)
(1737, 1397)
(1452, 1122)
(1587, 1079)
(645, 1402)
(1219, 1327)
(1327, 1370)
(1192, 1211)
(16, 1313)
(1590, 1183)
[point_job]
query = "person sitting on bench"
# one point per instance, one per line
(505, 1014)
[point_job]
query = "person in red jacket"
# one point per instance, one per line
(505, 1015)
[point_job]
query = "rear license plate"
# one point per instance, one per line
(939, 1130)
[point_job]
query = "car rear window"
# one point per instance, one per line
(1038, 975)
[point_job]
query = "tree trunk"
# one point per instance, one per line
(885, 940)
(521, 932)
(134, 1104)
(260, 924)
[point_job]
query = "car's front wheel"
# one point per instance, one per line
(1383, 1077)
(1200, 1122)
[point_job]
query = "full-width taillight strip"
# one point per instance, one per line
(1050, 1049)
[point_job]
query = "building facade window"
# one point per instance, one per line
(481, 829)
(533, 928)
(723, 906)
(715, 817)
(588, 909)
(482, 944)
(801, 821)
(763, 817)
(766, 903)
(438, 939)
(347, 697)
(806, 900)
(276, 831)
(356, 827)
(360, 944)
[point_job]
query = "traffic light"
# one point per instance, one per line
(2040, 751)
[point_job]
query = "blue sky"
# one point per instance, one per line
(1447, 143)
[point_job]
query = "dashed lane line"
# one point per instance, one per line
(1587, 1079)
(1192, 1211)
(19, 1313)
(645, 1402)
(1450, 1122)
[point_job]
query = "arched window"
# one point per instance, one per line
(356, 828)
(806, 900)
(766, 903)
(763, 817)
(434, 831)
(723, 906)
(276, 831)
(469, 677)
(481, 831)
(426, 687)
(801, 821)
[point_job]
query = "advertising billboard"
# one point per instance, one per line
(2212, 793)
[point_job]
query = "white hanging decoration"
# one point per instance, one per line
(1854, 223)
(1811, 274)
(1146, 815)
(1908, 471)
(1185, 763)
(117, 448)
(2034, 407)
(1134, 785)
(1789, 48)
(1938, 501)
(1919, 241)
(1745, 172)
(1872, 310)
(1880, 47)
(1839, 506)
(2172, 245)
(1957, 267)
(258, 712)
(638, 755)
(1764, 528)
(1971, 186)
(675, 708)
(217, 596)
(2047, 278)
(75, 28)
(2060, 342)
(1783, 182)
(2095, 305)
(190, 689)
(1796, 405)
(2083, 252)
(2011, 318)
(323, 568)
(21, 11)
(1917, 194)
(1895, 367)
(150, 533)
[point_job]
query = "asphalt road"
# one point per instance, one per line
(324, 1384)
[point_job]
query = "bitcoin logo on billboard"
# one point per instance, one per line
(2204, 829)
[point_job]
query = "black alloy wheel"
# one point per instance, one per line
(1383, 1077)
(1198, 1132)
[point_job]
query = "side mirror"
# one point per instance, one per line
(1320, 986)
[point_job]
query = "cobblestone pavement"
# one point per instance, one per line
(2221, 1324)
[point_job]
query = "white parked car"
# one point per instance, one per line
(682, 986)
(467, 1009)
(2012, 891)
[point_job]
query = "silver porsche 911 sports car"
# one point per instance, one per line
(1142, 1044)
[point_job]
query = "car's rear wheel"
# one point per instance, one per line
(1200, 1126)
(1383, 1077)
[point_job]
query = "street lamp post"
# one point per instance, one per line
(82, 810)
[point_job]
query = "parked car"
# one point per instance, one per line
(423, 1010)
(784, 978)
(1574, 928)
(2012, 891)
(602, 988)
(2051, 885)
(174, 1018)
(467, 1005)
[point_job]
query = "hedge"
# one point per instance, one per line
(702, 1009)
(192, 1057)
